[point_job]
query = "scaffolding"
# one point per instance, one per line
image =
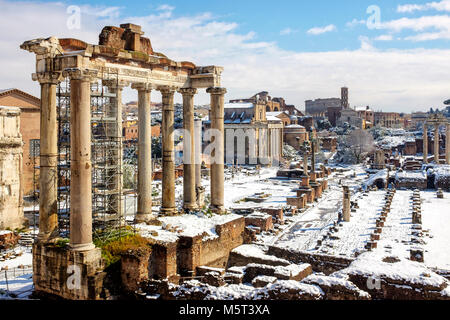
(106, 156)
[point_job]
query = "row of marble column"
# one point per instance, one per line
(436, 143)
(81, 166)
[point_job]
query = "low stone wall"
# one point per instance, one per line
(134, 268)
(320, 263)
(168, 260)
(215, 252)
(8, 239)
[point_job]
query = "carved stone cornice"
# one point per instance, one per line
(81, 74)
(188, 91)
(46, 48)
(47, 77)
(216, 91)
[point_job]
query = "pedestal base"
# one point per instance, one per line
(69, 274)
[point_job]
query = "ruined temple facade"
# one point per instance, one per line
(251, 137)
(436, 121)
(11, 158)
(122, 58)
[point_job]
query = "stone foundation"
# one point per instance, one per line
(54, 272)
(181, 258)
(319, 262)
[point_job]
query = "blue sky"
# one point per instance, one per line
(268, 18)
(296, 49)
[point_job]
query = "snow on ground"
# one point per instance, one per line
(436, 219)
(306, 228)
(26, 259)
(396, 236)
(20, 287)
(353, 236)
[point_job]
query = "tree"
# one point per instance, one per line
(359, 143)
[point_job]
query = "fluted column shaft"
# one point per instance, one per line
(48, 172)
(436, 143)
(447, 143)
(189, 192)
(425, 144)
(144, 211)
(217, 166)
(168, 166)
(80, 160)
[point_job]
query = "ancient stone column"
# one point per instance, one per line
(217, 166)
(168, 165)
(114, 132)
(80, 159)
(189, 191)
(425, 143)
(144, 210)
(305, 163)
(346, 204)
(447, 143)
(200, 191)
(313, 159)
(436, 143)
(48, 175)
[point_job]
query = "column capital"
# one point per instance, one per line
(47, 77)
(166, 90)
(188, 91)
(143, 86)
(216, 90)
(81, 74)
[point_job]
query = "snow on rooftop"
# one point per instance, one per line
(238, 105)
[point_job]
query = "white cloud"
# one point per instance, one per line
(397, 80)
(321, 30)
(384, 37)
(287, 31)
(443, 5)
(426, 27)
(439, 22)
(355, 22)
(165, 7)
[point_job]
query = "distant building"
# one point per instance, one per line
(271, 104)
(351, 117)
(131, 130)
(318, 108)
(258, 135)
(328, 108)
(367, 115)
(281, 115)
(388, 120)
